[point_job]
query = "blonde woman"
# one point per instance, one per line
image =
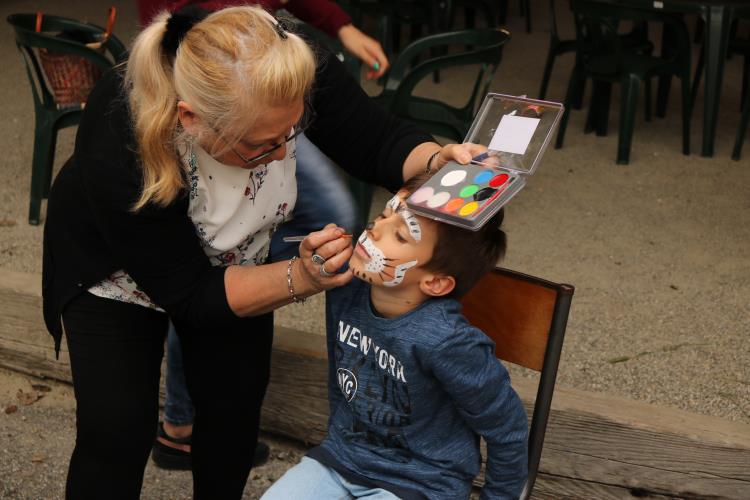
(183, 168)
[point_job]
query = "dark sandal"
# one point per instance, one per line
(174, 453)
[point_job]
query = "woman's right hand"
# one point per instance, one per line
(330, 244)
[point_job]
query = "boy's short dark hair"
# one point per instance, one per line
(462, 253)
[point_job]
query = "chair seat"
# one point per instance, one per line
(632, 63)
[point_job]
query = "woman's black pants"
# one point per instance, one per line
(115, 356)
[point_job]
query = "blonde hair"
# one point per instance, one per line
(229, 67)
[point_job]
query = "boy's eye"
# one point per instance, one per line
(400, 238)
(381, 215)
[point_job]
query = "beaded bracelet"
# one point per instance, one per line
(428, 168)
(292, 295)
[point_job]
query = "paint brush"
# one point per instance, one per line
(297, 239)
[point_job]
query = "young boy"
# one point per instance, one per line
(412, 385)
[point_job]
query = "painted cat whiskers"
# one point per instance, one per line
(378, 262)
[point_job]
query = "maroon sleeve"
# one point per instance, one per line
(325, 15)
(147, 9)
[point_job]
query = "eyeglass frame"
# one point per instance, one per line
(298, 129)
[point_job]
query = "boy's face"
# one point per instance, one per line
(394, 247)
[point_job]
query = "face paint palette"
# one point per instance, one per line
(516, 131)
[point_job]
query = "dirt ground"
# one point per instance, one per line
(37, 435)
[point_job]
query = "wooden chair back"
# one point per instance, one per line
(526, 318)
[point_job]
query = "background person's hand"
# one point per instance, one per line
(331, 246)
(365, 48)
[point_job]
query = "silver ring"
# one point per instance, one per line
(318, 259)
(325, 273)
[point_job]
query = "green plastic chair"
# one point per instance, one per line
(604, 58)
(478, 47)
(636, 39)
(49, 115)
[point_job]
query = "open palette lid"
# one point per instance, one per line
(516, 131)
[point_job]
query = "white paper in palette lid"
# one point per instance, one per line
(516, 130)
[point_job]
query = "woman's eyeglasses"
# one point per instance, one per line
(298, 129)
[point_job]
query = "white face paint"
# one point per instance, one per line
(379, 262)
(412, 223)
(399, 273)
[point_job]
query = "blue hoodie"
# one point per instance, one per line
(409, 398)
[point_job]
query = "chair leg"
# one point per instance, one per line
(553, 42)
(528, 14)
(502, 18)
(662, 95)
(580, 86)
(665, 81)
(602, 115)
(741, 131)
(41, 166)
(596, 118)
(699, 66)
(745, 80)
(573, 83)
(628, 106)
(700, 24)
(687, 110)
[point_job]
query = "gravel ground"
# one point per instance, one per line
(657, 249)
(34, 461)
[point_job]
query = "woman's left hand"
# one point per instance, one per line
(460, 153)
(433, 156)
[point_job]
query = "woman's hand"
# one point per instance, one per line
(321, 255)
(461, 153)
(433, 156)
(253, 290)
(365, 48)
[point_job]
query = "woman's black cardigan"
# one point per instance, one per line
(92, 232)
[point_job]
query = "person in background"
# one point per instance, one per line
(182, 169)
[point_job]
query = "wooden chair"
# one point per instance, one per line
(526, 318)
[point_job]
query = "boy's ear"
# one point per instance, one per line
(437, 285)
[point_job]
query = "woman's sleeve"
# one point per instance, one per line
(355, 131)
(157, 246)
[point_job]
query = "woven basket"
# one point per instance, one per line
(71, 77)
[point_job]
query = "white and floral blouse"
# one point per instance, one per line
(235, 212)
